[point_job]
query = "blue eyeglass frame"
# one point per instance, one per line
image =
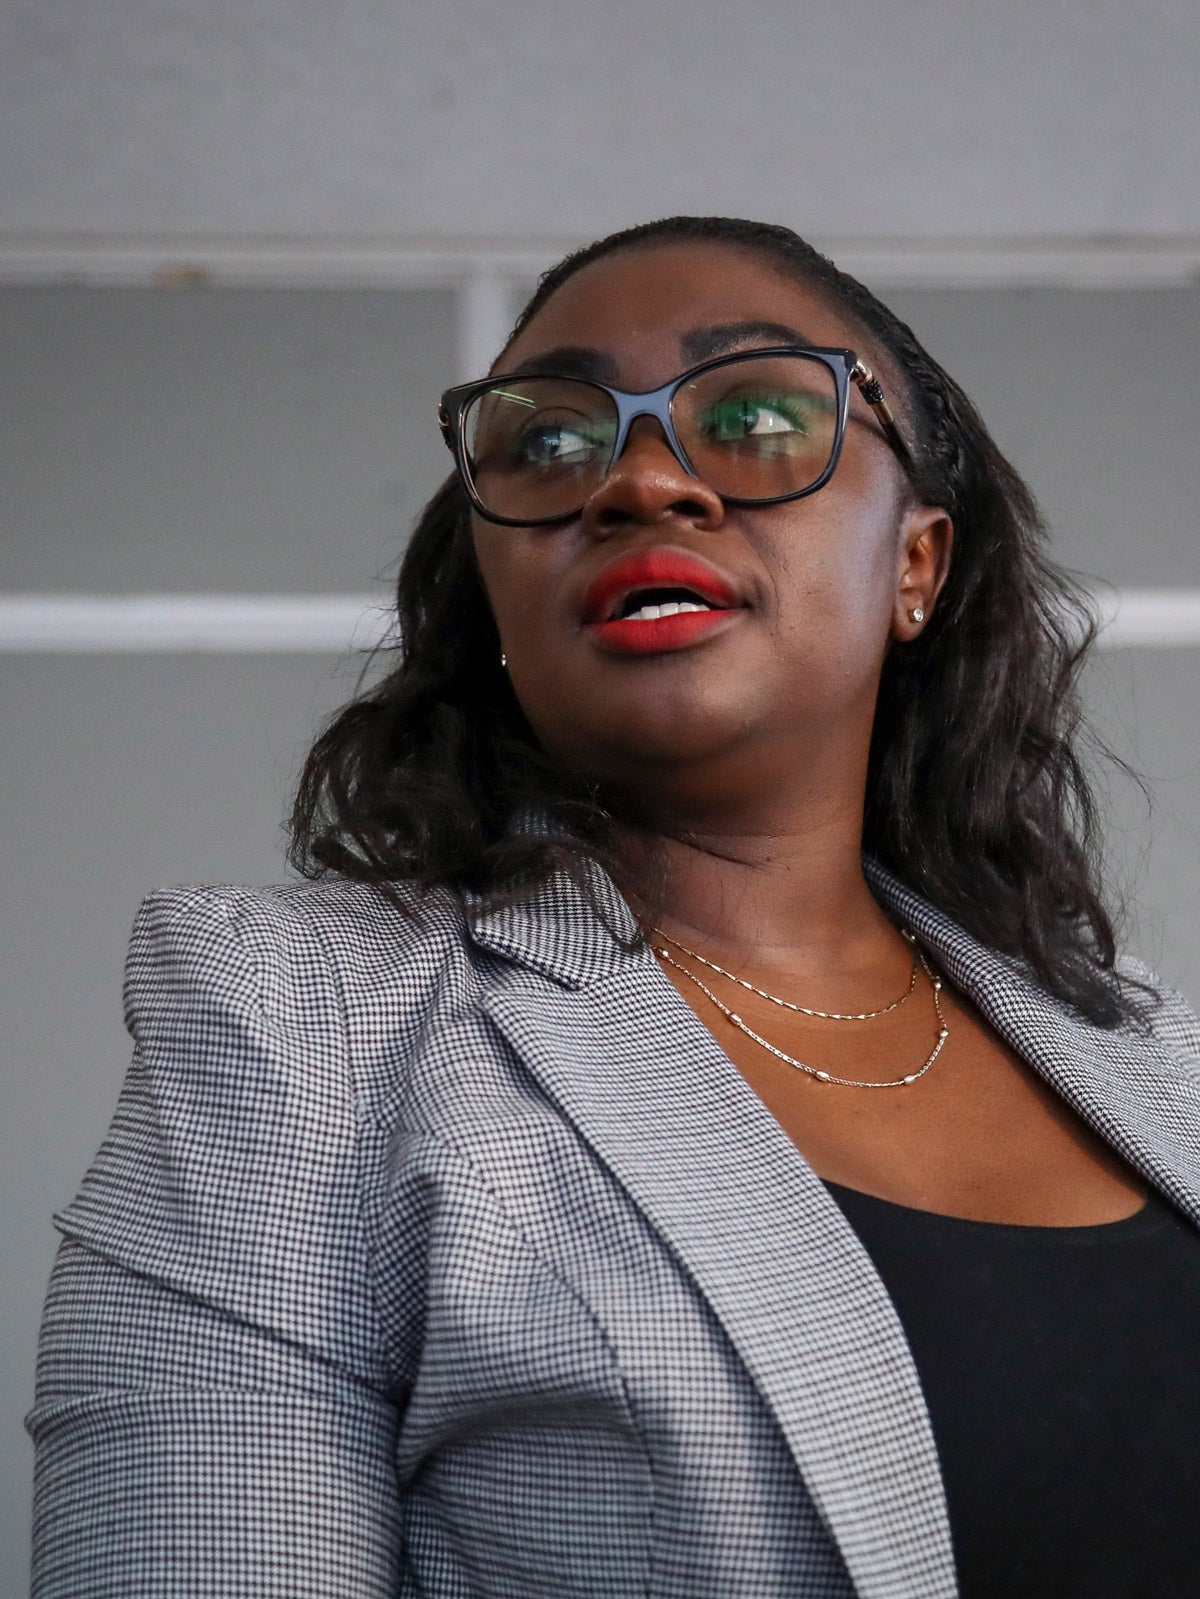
(844, 365)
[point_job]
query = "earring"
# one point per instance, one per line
(916, 615)
(503, 658)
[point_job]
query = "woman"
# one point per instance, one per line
(604, 1178)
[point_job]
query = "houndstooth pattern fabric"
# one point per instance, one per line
(439, 1253)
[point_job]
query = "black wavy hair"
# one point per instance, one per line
(977, 794)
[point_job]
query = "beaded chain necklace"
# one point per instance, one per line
(935, 983)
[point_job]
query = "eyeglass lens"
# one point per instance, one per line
(756, 429)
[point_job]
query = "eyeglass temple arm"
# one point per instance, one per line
(870, 389)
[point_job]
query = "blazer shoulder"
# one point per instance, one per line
(346, 970)
(284, 933)
(235, 1167)
(401, 914)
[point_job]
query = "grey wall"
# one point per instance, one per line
(229, 441)
(540, 117)
(281, 442)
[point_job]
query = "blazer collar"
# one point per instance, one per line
(570, 935)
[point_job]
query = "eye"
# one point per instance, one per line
(547, 441)
(749, 416)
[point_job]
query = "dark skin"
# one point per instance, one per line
(751, 744)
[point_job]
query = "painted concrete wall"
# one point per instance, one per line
(542, 118)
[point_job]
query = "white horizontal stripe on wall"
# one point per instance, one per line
(336, 623)
(104, 624)
(181, 261)
(1149, 619)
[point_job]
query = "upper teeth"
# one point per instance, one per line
(651, 613)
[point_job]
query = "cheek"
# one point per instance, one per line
(510, 580)
(520, 579)
(834, 581)
(493, 567)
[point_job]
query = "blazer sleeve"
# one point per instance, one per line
(213, 1414)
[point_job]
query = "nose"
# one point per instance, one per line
(647, 484)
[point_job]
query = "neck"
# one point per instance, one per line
(771, 894)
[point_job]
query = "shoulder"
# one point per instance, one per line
(312, 983)
(237, 1162)
(330, 912)
(1153, 1008)
(289, 943)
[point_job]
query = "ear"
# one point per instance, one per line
(926, 537)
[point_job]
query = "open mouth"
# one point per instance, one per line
(650, 605)
(650, 601)
(639, 585)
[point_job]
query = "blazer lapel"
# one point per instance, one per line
(645, 1084)
(1140, 1096)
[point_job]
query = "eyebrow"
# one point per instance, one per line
(582, 361)
(569, 361)
(701, 343)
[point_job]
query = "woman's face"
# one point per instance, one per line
(810, 590)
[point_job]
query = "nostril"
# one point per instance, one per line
(611, 515)
(620, 510)
(693, 509)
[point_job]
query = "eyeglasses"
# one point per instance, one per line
(758, 427)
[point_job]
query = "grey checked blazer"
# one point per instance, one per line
(449, 1256)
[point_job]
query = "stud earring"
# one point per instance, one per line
(503, 658)
(916, 615)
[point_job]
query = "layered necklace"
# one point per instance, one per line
(935, 984)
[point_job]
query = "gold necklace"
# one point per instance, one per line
(813, 1071)
(804, 1010)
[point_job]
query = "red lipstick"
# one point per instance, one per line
(644, 581)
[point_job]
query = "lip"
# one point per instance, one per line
(658, 569)
(661, 568)
(652, 638)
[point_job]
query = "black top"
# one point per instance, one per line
(1061, 1367)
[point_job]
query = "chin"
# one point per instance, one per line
(641, 750)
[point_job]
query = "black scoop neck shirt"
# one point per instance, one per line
(1061, 1369)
